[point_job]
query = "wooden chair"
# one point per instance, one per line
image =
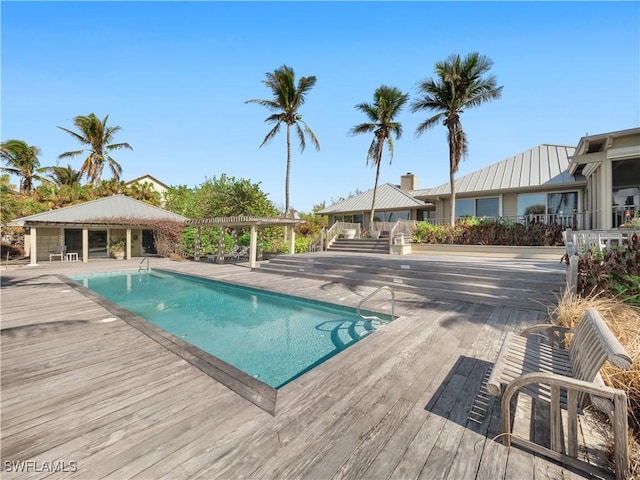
(566, 378)
(59, 251)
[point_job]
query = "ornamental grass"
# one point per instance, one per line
(624, 321)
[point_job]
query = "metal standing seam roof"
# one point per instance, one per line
(544, 165)
(388, 197)
(100, 211)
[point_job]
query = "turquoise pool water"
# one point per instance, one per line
(272, 337)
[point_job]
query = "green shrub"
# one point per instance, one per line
(14, 251)
(616, 272)
(474, 231)
(208, 240)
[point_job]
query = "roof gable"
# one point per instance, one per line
(388, 197)
(150, 179)
(100, 210)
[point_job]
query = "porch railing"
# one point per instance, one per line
(337, 229)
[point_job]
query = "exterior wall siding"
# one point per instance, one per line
(510, 205)
(46, 239)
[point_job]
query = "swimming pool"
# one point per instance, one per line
(272, 337)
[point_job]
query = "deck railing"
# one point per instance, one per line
(339, 228)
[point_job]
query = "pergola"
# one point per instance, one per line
(253, 223)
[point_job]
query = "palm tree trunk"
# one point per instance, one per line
(453, 168)
(452, 183)
(375, 188)
(286, 182)
(286, 187)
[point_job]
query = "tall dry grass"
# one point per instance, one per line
(624, 322)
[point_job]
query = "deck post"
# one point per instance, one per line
(128, 253)
(33, 254)
(292, 240)
(252, 246)
(85, 245)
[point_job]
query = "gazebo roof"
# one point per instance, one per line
(244, 221)
(114, 210)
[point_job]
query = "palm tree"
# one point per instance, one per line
(459, 85)
(22, 160)
(387, 104)
(97, 136)
(143, 192)
(64, 175)
(287, 100)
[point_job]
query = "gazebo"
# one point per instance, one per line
(253, 223)
(87, 229)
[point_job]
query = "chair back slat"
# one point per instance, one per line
(593, 344)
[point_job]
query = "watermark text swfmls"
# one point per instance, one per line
(26, 466)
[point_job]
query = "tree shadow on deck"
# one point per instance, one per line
(462, 396)
(34, 330)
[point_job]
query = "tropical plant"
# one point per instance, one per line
(287, 100)
(98, 137)
(144, 192)
(64, 175)
(118, 244)
(387, 104)
(459, 85)
(22, 160)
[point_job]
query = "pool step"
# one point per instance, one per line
(515, 284)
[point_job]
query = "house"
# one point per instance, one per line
(610, 162)
(595, 185)
(87, 229)
(392, 203)
(156, 184)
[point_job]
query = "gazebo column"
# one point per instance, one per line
(85, 245)
(220, 255)
(292, 241)
(196, 245)
(252, 246)
(33, 249)
(128, 253)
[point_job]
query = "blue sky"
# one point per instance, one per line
(175, 76)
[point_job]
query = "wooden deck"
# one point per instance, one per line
(84, 391)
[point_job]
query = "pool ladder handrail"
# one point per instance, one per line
(375, 317)
(141, 268)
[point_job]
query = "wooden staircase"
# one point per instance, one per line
(362, 245)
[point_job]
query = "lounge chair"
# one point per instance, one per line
(236, 253)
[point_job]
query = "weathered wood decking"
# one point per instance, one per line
(85, 389)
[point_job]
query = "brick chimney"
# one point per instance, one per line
(409, 182)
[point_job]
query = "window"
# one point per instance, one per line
(465, 208)
(488, 207)
(562, 203)
(531, 203)
(478, 207)
(357, 218)
(547, 205)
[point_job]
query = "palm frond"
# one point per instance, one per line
(70, 154)
(272, 133)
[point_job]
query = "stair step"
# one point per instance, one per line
(437, 290)
(362, 245)
(514, 284)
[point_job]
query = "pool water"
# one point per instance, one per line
(272, 337)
